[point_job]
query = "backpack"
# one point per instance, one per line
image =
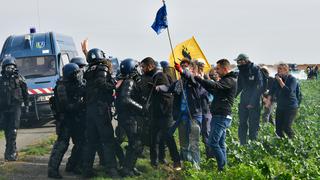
(264, 81)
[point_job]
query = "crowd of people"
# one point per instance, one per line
(312, 72)
(149, 105)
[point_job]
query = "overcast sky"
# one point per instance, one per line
(268, 31)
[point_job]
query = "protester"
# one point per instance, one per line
(161, 113)
(250, 84)
(267, 110)
(205, 104)
(284, 91)
(224, 92)
(188, 111)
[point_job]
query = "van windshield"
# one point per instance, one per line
(35, 67)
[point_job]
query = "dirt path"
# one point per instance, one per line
(33, 168)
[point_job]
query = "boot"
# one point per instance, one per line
(88, 160)
(58, 150)
(53, 173)
(74, 161)
(125, 172)
(11, 148)
(112, 172)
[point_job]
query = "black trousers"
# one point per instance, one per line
(68, 128)
(159, 132)
(284, 120)
(131, 127)
(99, 132)
(11, 122)
(249, 121)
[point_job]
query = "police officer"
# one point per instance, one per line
(13, 91)
(130, 108)
(250, 84)
(80, 62)
(68, 106)
(99, 97)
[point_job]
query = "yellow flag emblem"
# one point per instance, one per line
(189, 49)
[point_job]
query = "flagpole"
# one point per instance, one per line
(169, 36)
(174, 60)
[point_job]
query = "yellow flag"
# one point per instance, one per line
(189, 49)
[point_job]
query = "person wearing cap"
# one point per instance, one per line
(250, 85)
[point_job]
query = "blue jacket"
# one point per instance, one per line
(250, 84)
(193, 92)
(286, 97)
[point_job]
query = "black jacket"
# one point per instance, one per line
(161, 102)
(129, 99)
(13, 90)
(224, 92)
(100, 85)
(286, 97)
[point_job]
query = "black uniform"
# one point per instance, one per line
(13, 91)
(68, 106)
(161, 111)
(99, 130)
(129, 105)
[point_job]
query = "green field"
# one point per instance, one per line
(267, 158)
(270, 157)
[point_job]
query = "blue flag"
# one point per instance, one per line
(160, 23)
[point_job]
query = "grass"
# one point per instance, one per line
(267, 158)
(39, 149)
(1, 134)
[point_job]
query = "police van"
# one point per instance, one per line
(39, 58)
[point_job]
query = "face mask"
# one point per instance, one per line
(10, 69)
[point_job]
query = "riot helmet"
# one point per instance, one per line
(164, 64)
(81, 62)
(95, 55)
(9, 65)
(128, 66)
(71, 72)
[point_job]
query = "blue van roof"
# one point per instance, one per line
(37, 44)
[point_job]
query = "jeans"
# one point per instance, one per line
(189, 137)
(217, 138)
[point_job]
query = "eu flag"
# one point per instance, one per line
(160, 23)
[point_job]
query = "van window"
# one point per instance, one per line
(63, 61)
(34, 67)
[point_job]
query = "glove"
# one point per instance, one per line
(178, 67)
